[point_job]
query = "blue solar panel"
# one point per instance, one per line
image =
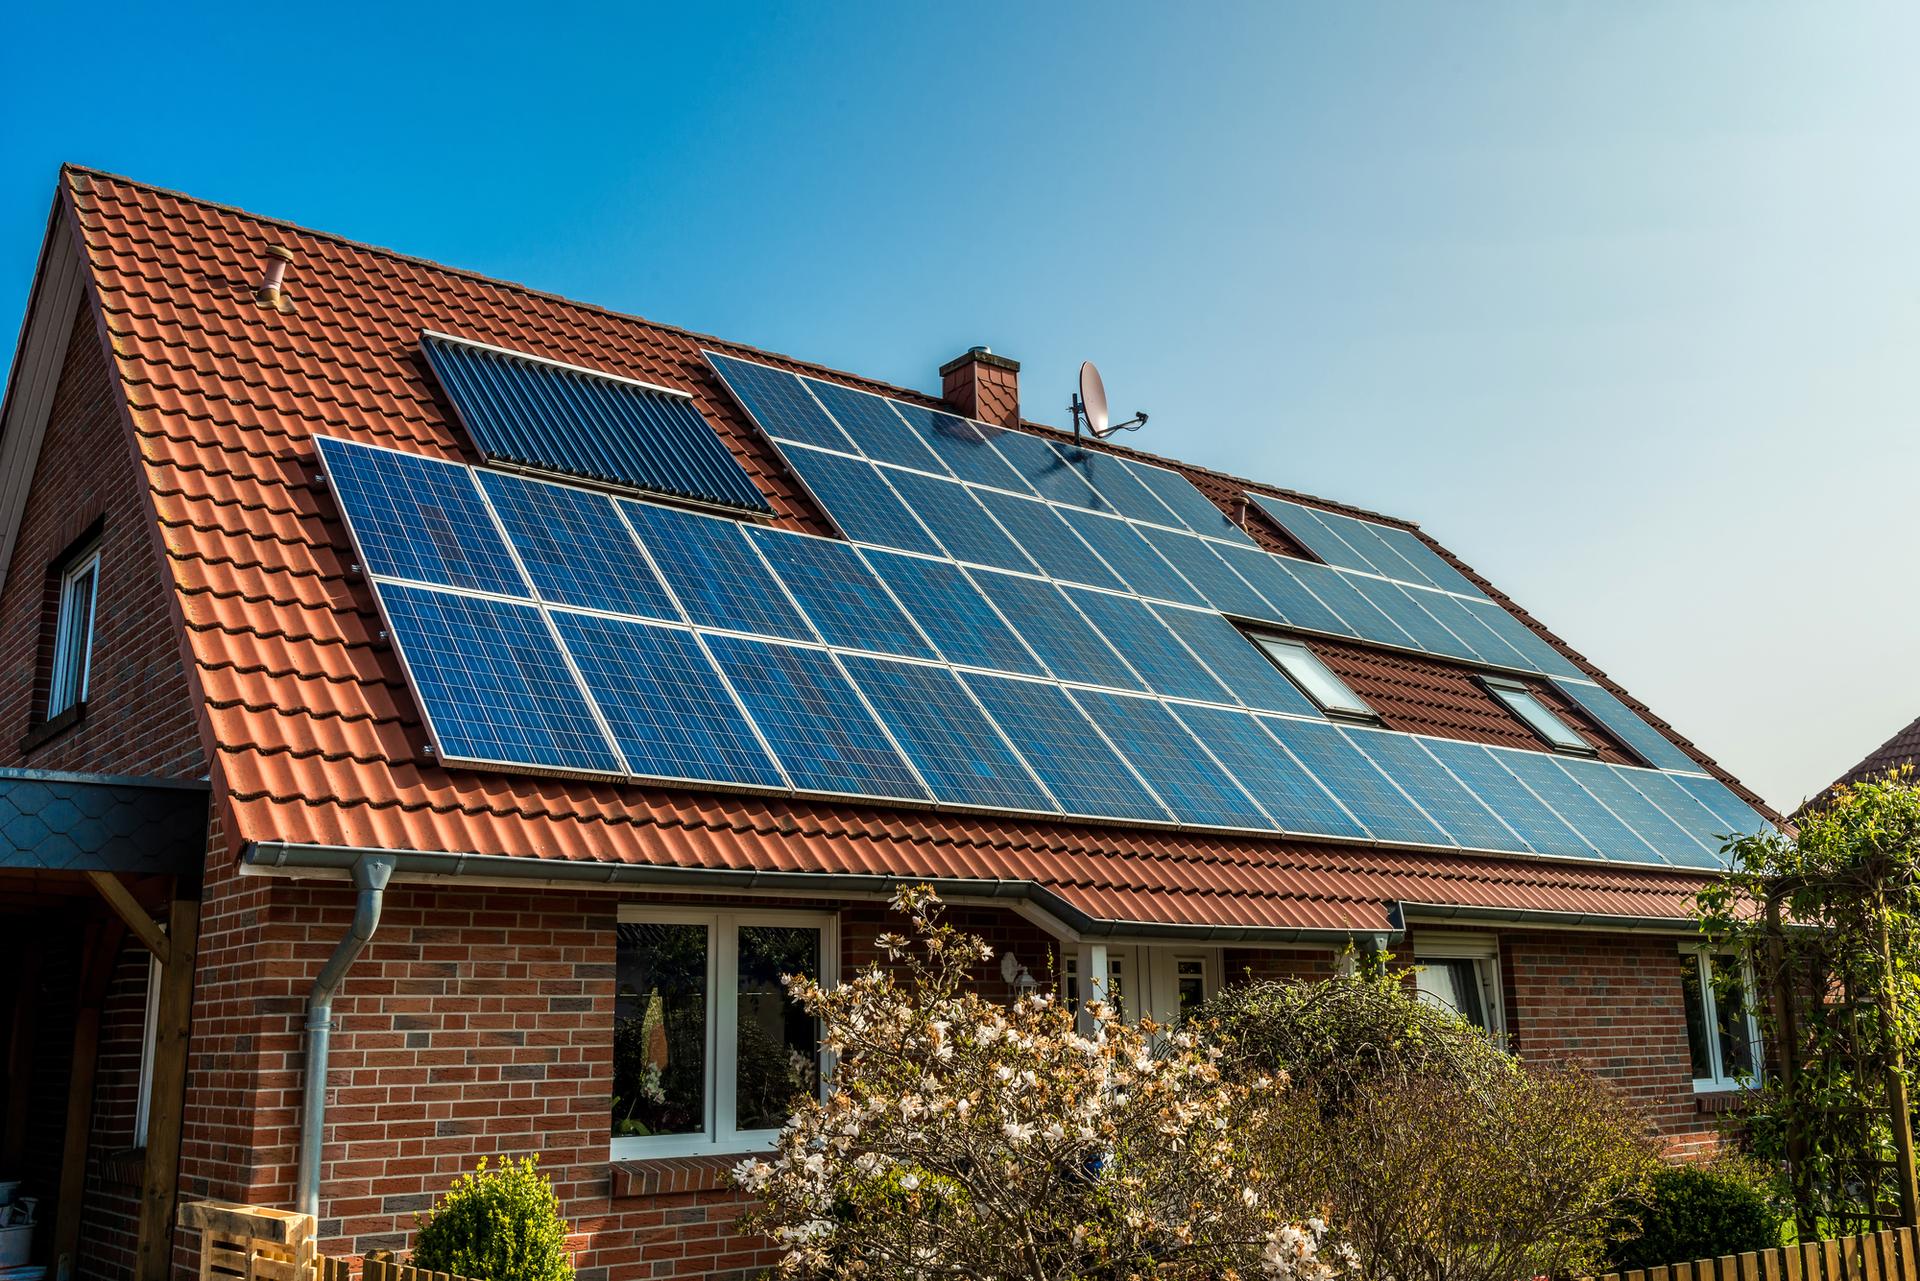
(669, 710)
(961, 525)
(1047, 473)
(1037, 527)
(1392, 600)
(1155, 652)
(1682, 807)
(1293, 797)
(1466, 624)
(492, 682)
(1192, 507)
(1364, 537)
(1480, 770)
(957, 750)
(1445, 799)
(1056, 631)
(959, 621)
(1078, 766)
(575, 547)
(965, 446)
(1414, 550)
(1235, 660)
(1119, 491)
(819, 729)
(1293, 604)
(846, 603)
(1349, 775)
(1172, 761)
(1597, 825)
(856, 497)
(1200, 565)
(1336, 590)
(587, 423)
(875, 428)
(1735, 815)
(778, 402)
(1306, 527)
(1143, 570)
(1646, 742)
(1673, 842)
(714, 572)
(418, 518)
(1541, 656)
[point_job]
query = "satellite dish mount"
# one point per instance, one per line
(1089, 408)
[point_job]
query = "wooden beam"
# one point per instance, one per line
(160, 1179)
(128, 909)
(100, 950)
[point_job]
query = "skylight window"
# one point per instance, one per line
(1315, 679)
(1537, 716)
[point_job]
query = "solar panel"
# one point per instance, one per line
(844, 600)
(1155, 652)
(1598, 826)
(1735, 815)
(1682, 807)
(1349, 775)
(859, 501)
(1044, 471)
(418, 518)
(875, 428)
(713, 571)
(575, 547)
(1306, 526)
(960, 622)
(1172, 761)
(1038, 529)
(1200, 565)
(1466, 624)
(1076, 763)
(1056, 631)
(539, 413)
(1365, 537)
(1273, 577)
(493, 684)
(1445, 799)
(1293, 797)
(1143, 570)
(1672, 842)
(1187, 503)
(1235, 661)
(960, 524)
(1506, 796)
(1414, 550)
(1399, 605)
(957, 750)
(1541, 656)
(1336, 590)
(1646, 742)
(778, 403)
(965, 446)
(817, 725)
(669, 711)
(1119, 491)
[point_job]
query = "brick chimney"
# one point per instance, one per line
(984, 386)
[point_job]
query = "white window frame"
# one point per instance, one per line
(723, 1031)
(1484, 951)
(149, 1035)
(1721, 1081)
(64, 692)
(1150, 977)
(1319, 682)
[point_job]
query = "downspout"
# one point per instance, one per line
(370, 875)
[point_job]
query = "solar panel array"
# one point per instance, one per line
(983, 653)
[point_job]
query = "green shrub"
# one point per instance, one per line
(1697, 1212)
(502, 1224)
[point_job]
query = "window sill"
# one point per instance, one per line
(125, 1168)
(41, 733)
(669, 1175)
(1719, 1100)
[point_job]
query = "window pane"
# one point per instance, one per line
(1730, 1011)
(778, 1056)
(1314, 677)
(73, 638)
(1453, 984)
(660, 1030)
(1193, 985)
(1540, 719)
(1697, 1043)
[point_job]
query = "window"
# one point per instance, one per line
(149, 1033)
(1462, 974)
(73, 633)
(1158, 983)
(708, 1051)
(1315, 678)
(1723, 1036)
(1537, 716)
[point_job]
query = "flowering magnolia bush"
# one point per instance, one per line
(967, 1138)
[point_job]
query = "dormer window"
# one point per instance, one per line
(1315, 679)
(73, 632)
(1537, 716)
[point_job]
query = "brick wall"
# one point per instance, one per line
(110, 1211)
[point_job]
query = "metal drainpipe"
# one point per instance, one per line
(370, 876)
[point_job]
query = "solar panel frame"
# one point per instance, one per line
(575, 547)
(875, 429)
(1623, 723)
(1449, 802)
(1298, 803)
(1235, 661)
(857, 498)
(1397, 603)
(1119, 491)
(1672, 842)
(707, 562)
(1364, 536)
(1293, 601)
(955, 615)
(959, 522)
(1540, 656)
(1046, 472)
(1047, 539)
(1066, 750)
(1609, 835)
(1118, 543)
(1059, 633)
(1305, 526)
(1683, 807)
(1190, 508)
(1344, 770)
(1150, 647)
(840, 595)
(778, 403)
(1438, 570)
(1491, 647)
(964, 445)
(1335, 589)
(1722, 801)
(1209, 573)
(1536, 823)
(1190, 782)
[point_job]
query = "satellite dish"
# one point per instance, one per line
(1089, 407)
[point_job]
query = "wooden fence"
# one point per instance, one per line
(1880, 1256)
(253, 1243)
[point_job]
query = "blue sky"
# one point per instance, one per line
(1621, 301)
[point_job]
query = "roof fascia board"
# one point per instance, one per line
(39, 356)
(1532, 918)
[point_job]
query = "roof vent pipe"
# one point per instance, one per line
(370, 876)
(278, 256)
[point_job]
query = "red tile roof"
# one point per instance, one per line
(1902, 749)
(314, 734)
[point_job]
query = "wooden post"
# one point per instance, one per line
(160, 1180)
(99, 952)
(1900, 1113)
(1787, 1051)
(26, 1003)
